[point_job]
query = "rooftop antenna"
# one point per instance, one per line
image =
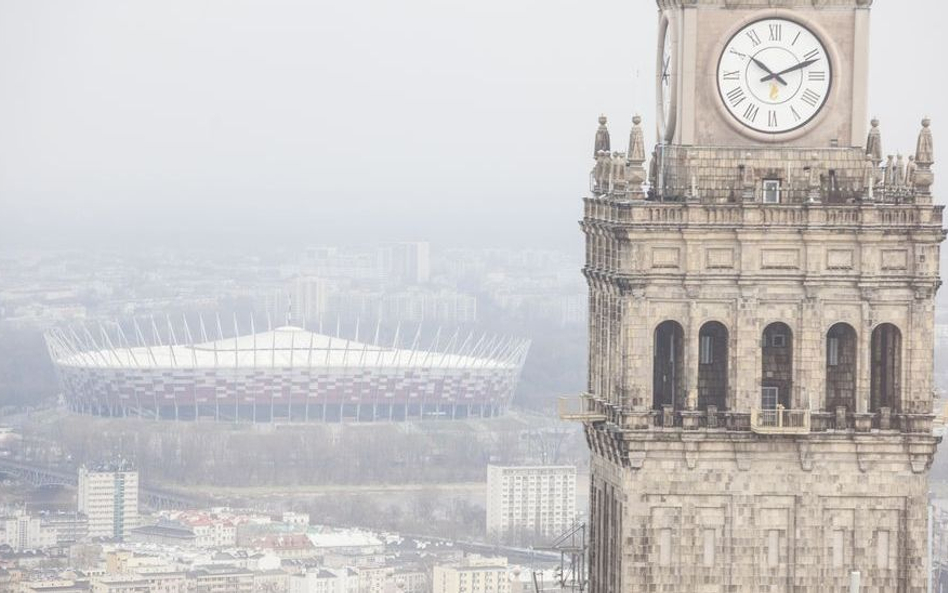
(289, 310)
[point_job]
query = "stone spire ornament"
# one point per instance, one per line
(924, 159)
(869, 177)
(602, 172)
(618, 181)
(637, 142)
(874, 143)
(925, 151)
(602, 138)
(636, 157)
(898, 177)
(889, 179)
(874, 148)
(910, 170)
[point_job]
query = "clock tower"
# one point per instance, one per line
(761, 317)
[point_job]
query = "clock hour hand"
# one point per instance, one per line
(769, 72)
(799, 66)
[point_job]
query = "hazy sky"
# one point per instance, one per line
(179, 121)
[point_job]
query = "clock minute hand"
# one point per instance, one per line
(799, 66)
(768, 71)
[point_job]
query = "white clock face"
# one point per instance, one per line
(666, 75)
(667, 79)
(774, 76)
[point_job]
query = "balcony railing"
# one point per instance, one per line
(579, 409)
(780, 421)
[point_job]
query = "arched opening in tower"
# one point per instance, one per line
(667, 366)
(886, 364)
(712, 365)
(777, 366)
(841, 367)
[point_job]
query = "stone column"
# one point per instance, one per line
(747, 356)
(692, 341)
(638, 354)
(864, 360)
(809, 365)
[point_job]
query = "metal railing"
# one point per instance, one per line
(780, 421)
(578, 409)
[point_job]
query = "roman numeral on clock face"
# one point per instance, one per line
(736, 75)
(772, 118)
(811, 54)
(810, 98)
(817, 76)
(750, 114)
(736, 96)
(776, 32)
(796, 116)
(754, 37)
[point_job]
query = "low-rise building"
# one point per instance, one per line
(473, 574)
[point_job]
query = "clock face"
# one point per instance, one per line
(774, 76)
(667, 82)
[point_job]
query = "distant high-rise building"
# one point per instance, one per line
(108, 495)
(527, 501)
(473, 574)
(406, 262)
(309, 298)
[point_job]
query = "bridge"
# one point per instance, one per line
(149, 496)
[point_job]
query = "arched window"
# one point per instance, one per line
(667, 366)
(886, 366)
(712, 366)
(841, 367)
(776, 382)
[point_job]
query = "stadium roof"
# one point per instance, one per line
(283, 347)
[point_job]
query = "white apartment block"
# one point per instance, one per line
(473, 574)
(20, 531)
(108, 495)
(530, 500)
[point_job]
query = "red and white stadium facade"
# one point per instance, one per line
(286, 374)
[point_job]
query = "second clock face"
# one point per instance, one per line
(774, 76)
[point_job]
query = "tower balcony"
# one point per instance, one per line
(780, 421)
(593, 411)
(747, 215)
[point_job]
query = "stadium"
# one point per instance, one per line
(287, 374)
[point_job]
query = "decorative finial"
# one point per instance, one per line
(910, 170)
(924, 159)
(874, 142)
(925, 152)
(636, 157)
(602, 137)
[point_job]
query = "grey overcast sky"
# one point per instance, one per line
(268, 121)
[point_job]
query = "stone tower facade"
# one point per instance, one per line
(759, 406)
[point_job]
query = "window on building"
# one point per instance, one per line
(771, 191)
(769, 397)
(832, 351)
(705, 350)
(778, 341)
